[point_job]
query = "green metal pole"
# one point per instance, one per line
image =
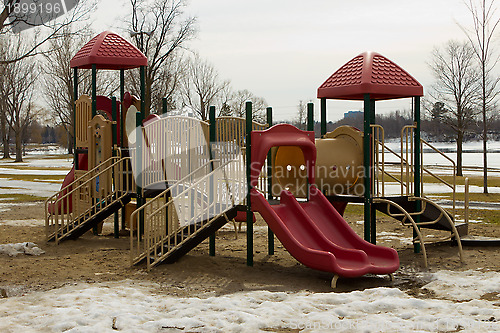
(138, 147)
(416, 174)
(75, 97)
(164, 106)
(114, 112)
(122, 126)
(211, 111)
(248, 108)
(310, 127)
(367, 164)
(323, 116)
(94, 109)
(122, 110)
(373, 212)
(94, 90)
(270, 234)
(310, 116)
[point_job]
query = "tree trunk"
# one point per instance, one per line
(460, 138)
(5, 135)
(485, 129)
(485, 147)
(485, 163)
(19, 146)
(70, 144)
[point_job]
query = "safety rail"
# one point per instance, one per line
(407, 155)
(185, 209)
(232, 130)
(137, 244)
(378, 145)
(379, 173)
(76, 203)
(411, 222)
(406, 164)
(452, 186)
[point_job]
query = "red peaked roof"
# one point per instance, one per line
(370, 73)
(108, 50)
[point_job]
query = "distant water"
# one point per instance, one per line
(472, 153)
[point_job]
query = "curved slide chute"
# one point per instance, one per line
(313, 231)
(316, 235)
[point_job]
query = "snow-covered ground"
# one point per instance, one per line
(40, 189)
(463, 301)
(31, 166)
(129, 306)
(40, 162)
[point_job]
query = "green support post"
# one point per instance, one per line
(310, 116)
(373, 212)
(138, 146)
(211, 112)
(94, 90)
(75, 97)
(418, 165)
(270, 234)
(164, 106)
(94, 111)
(367, 167)
(114, 112)
(323, 116)
(138, 154)
(122, 111)
(122, 126)
(310, 127)
(248, 109)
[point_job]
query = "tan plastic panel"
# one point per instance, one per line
(83, 113)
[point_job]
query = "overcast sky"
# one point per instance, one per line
(282, 50)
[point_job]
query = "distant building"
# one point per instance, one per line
(352, 114)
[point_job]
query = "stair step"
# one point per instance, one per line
(187, 243)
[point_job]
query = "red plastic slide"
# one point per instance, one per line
(316, 235)
(70, 177)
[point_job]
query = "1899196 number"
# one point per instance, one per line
(32, 8)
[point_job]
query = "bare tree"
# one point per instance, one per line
(20, 78)
(235, 105)
(301, 120)
(485, 22)
(45, 32)
(201, 86)
(457, 86)
(160, 29)
(4, 94)
(58, 78)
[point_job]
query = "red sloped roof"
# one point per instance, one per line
(370, 73)
(108, 50)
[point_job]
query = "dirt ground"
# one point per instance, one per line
(103, 258)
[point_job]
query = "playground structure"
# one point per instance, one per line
(189, 177)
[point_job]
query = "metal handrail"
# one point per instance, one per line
(450, 221)
(378, 140)
(452, 186)
(406, 132)
(148, 244)
(83, 185)
(412, 222)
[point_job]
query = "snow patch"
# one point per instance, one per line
(130, 306)
(23, 223)
(14, 249)
(464, 286)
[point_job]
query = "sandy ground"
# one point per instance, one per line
(104, 258)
